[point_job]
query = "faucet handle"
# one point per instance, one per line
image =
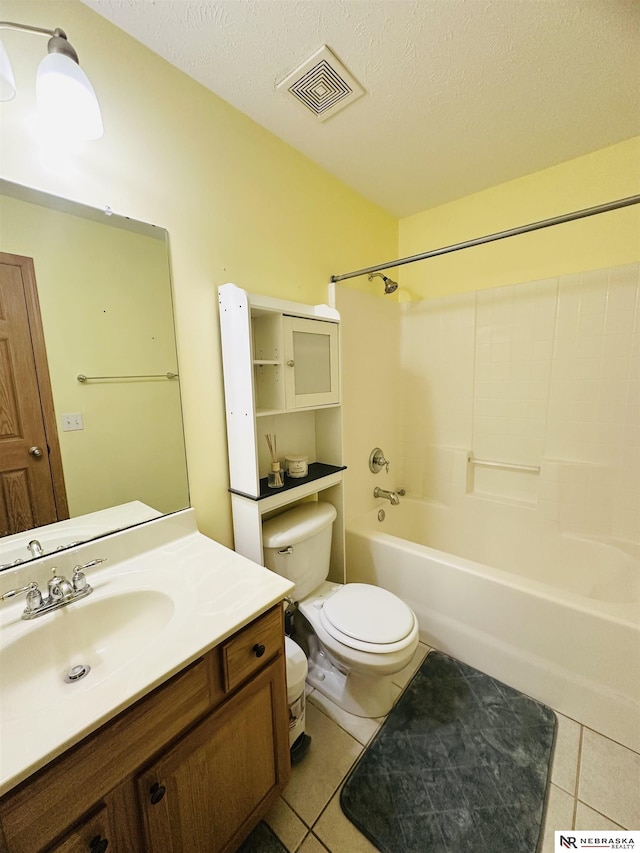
(79, 579)
(91, 563)
(377, 461)
(34, 596)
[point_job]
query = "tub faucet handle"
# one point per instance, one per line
(377, 461)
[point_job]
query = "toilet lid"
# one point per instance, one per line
(368, 614)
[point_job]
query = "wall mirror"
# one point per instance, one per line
(89, 292)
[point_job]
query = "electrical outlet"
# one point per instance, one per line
(71, 421)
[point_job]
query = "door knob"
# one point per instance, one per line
(35, 451)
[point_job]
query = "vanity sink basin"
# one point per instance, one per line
(86, 641)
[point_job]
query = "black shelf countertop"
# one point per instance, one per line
(317, 470)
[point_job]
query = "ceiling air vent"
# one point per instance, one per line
(322, 84)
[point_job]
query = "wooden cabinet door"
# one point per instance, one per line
(31, 481)
(208, 791)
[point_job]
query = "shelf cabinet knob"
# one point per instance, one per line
(259, 649)
(98, 844)
(291, 363)
(157, 793)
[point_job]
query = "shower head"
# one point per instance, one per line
(390, 286)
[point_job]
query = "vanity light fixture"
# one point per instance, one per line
(65, 98)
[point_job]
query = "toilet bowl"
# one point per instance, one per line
(357, 635)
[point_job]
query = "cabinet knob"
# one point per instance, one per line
(157, 793)
(291, 363)
(98, 844)
(259, 649)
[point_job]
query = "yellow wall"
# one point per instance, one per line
(239, 204)
(105, 301)
(606, 240)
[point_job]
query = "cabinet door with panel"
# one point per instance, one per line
(311, 359)
(219, 776)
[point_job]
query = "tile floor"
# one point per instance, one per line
(595, 782)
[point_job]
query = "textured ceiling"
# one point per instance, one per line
(460, 94)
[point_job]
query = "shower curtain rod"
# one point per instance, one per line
(499, 235)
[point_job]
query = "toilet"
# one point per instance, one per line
(356, 635)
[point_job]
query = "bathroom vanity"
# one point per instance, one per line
(184, 745)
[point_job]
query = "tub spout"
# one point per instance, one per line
(392, 497)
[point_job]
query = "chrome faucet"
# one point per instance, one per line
(392, 497)
(35, 548)
(60, 591)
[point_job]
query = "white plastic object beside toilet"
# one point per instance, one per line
(296, 677)
(358, 635)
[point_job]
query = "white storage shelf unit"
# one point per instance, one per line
(282, 377)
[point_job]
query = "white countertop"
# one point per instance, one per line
(79, 529)
(214, 592)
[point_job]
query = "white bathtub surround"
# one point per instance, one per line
(544, 375)
(370, 341)
(535, 610)
(539, 374)
(516, 540)
(514, 331)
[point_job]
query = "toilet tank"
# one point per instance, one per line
(297, 545)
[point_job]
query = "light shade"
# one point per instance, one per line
(7, 80)
(66, 101)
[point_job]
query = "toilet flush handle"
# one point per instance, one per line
(288, 550)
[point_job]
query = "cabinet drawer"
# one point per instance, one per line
(251, 648)
(95, 834)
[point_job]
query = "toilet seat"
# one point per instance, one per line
(355, 674)
(368, 618)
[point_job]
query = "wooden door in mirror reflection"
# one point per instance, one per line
(32, 489)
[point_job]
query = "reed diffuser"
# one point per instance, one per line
(274, 478)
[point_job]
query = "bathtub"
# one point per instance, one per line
(555, 616)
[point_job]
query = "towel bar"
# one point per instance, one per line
(511, 466)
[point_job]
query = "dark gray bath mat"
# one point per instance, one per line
(460, 765)
(262, 840)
